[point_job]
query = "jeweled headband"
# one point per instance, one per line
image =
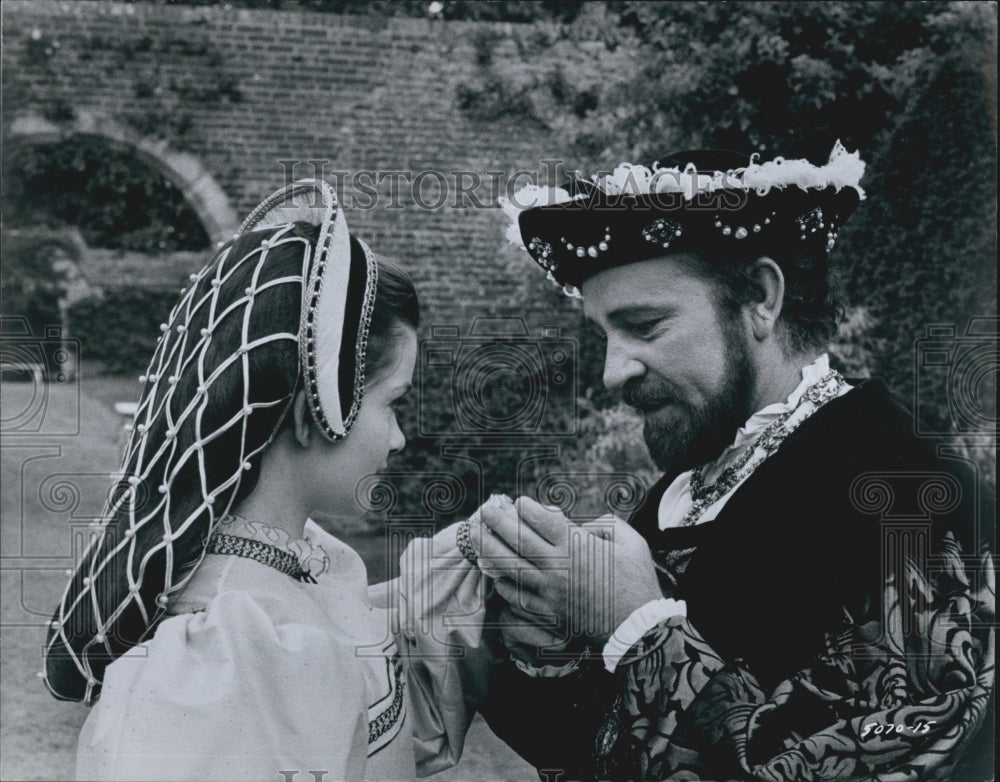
(125, 581)
(331, 315)
(700, 200)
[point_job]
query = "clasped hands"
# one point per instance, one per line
(563, 583)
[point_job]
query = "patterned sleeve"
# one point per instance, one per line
(896, 695)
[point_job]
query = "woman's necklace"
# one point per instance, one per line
(703, 497)
(264, 553)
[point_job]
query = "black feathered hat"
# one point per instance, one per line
(698, 201)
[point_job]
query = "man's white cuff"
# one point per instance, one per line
(639, 622)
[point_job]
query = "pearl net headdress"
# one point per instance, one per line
(170, 495)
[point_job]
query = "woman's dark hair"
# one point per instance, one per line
(814, 301)
(202, 460)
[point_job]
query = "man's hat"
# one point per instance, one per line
(698, 201)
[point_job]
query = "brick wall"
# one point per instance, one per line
(242, 90)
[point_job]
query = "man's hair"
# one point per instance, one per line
(813, 305)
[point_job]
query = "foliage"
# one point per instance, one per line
(41, 277)
(120, 327)
(114, 198)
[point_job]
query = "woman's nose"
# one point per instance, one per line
(398, 440)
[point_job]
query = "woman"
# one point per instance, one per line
(227, 637)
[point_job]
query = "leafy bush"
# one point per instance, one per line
(112, 196)
(120, 328)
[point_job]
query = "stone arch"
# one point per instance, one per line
(184, 171)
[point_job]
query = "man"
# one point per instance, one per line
(805, 594)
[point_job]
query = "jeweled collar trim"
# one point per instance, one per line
(271, 546)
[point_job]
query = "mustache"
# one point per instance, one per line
(647, 394)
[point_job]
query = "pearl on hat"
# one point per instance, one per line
(741, 233)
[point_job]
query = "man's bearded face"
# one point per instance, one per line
(683, 433)
(678, 355)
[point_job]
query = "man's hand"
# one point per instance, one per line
(584, 578)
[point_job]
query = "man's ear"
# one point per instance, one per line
(301, 420)
(765, 310)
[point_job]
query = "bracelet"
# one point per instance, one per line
(463, 538)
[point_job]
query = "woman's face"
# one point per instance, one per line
(375, 433)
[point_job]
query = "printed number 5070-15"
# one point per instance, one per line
(917, 728)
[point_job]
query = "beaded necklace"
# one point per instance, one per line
(704, 496)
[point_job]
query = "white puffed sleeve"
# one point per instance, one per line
(231, 693)
(439, 602)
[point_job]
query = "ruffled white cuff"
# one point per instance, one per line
(639, 622)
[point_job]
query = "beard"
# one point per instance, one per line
(686, 435)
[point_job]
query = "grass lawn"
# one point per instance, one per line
(53, 481)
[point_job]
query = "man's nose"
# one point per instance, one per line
(620, 367)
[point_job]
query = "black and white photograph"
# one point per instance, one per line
(498, 390)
